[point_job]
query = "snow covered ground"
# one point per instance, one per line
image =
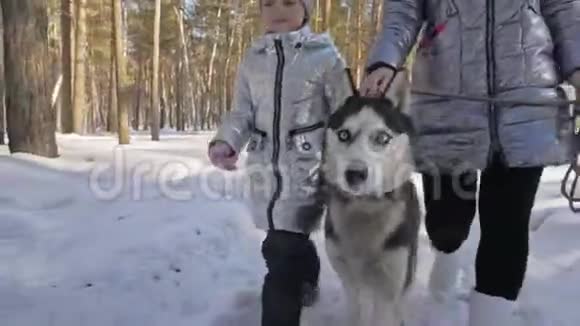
(150, 235)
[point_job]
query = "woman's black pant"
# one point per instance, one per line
(292, 279)
(506, 198)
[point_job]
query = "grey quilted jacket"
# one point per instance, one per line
(287, 86)
(508, 49)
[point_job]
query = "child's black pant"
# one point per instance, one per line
(293, 270)
(506, 198)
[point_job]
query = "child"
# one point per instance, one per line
(505, 49)
(288, 84)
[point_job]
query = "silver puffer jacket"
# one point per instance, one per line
(287, 87)
(508, 49)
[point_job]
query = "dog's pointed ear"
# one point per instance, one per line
(399, 91)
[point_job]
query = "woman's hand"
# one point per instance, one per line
(375, 84)
(223, 156)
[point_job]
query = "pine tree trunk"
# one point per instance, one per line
(112, 118)
(211, 72)
(103, 103)
(162, 102)
(169, 97)
(200, 101)
(2, 114)
(348, 35)
(359, 40)
(226, 73)
(185, 63)
(147, 110)
(122, 114)
(73, 42)
(317, 16)
(179, 97)
(328, 15)
(93, 116)
(155, 82)
(66, 114)
(2, 87)
(136, 113)
(378, 16)
(80, 99)
(31, 122)
(240, 46)
(56, 92)
(2, 117)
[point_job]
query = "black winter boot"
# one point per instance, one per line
(292, 278)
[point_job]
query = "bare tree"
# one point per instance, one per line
(184, 64)
(2, 102)
(123, 116)
(378, 16)
(136, 122)
(31, 121)
(210, 79)
(112, 118)
(66, 114)
(155, 82)
(2, 114)
(328, 15)
(80, 97)
(316, 17)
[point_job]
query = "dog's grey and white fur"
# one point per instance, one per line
(373, 213)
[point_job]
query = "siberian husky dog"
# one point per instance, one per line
(373, 212)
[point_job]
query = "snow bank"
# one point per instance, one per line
(146, 234)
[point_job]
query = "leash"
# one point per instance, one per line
(570, 194)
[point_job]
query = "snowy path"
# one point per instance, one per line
(168, 248)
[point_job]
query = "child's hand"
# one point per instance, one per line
(223, 156)
(375, 84)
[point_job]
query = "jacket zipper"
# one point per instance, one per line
(490, 51)
(276, 131)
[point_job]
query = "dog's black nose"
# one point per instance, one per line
(356, 176)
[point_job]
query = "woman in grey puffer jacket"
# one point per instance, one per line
(504, 49)
(288, 84)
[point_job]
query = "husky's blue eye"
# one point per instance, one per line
(344, 135)
(383, 138)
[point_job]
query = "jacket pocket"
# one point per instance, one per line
(257, 147)
(438, 62)
(306, 140)
(257, 141)
(305, 154)
(259, 182)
